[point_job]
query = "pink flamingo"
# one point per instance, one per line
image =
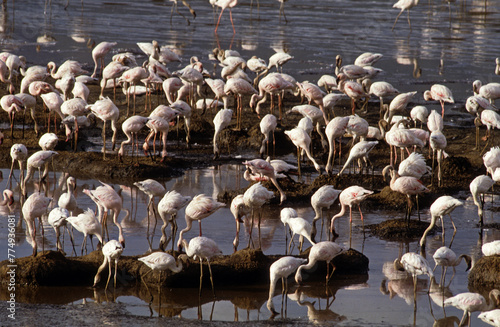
(490, 91)
(152, 188)
(254, 198)
(406, 185)
(348, 197)
(324, 197)
(267, 124)
(352, 89)
(264, 168)
(471, 302)
(69, 66)
(404, 5)
(199, 208)
(322, 251)
(98, 54)
(35, 206)
(169, 205)
(18, 152)
(335, 129)
(271, 84)
(157, 125)
(221, 121)
(239, 87)
(224, 4)
(314, 94)
(278, 60)
(398, 104)
(106, 198)
(87, 224)
(36, 161)
(112, 250)
(480, 185)
(239, 210)
(53, 101)
(302, 141)
(75, 107)
(133, 76)
(439, 93)
(359, 151)
(112, 71)
(11, 104)
(130, 128)
(105, 110)
(442, 206)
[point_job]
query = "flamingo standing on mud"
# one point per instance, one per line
(221, 120)
(98, 54)
(439, 93)
(335, 129)
(11, 104)
(255, 197)
(480, 185)
(87, 224)
(75, 107)
(199, 208)
(105, 110)
(239, 210)
(352, 89)
(240, 88)
(267, 124)
(471, 302)
(130, 128)
(265, 168)
(18, 152)
(271, 84)
(302, 141)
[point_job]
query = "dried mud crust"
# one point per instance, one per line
(244, 267)
(484, 275)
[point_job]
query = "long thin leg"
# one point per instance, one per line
(211, 278)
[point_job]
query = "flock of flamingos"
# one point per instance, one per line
(67, 99)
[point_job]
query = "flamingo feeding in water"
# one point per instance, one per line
(111, 251)
(322, 251)
(169, 205)
(130, 128)
(35, 206)
(471, 302)
(221, 120)
(105, 110)
(324, 197)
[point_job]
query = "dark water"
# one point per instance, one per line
(453, 50)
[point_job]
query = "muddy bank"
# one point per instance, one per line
(484, 275)
(244, 267)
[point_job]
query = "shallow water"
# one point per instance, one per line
(346, 294)
(452, 51)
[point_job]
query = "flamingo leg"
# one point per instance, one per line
(396, 20)
(218, 21)
(231, 17)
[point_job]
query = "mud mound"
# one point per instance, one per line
(484, 274)
(244, 267)
(399, 229)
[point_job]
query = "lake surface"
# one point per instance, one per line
(451, 49)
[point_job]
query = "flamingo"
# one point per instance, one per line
(491, 248)
(316, 116)
(33, 73)
(324, 197)
(133, 76)
(185, 111)
(112, 250)
(169, 205)
(490, 91)
(301, 227)
(105, 110)
(281, 166)
(480, 185)
(314, 94)
(475, 105)
(380, 89)
(255, 197)
(281, 268)
(98, 54)
(217, 87)
(53, 101)
(335, 129)
(419, 113)
(414, 166)
(18, 152)
(11, 104)
(271, 84)
(265, 168)
(348, 197)
(367, 59)
(359, 151)
(161, 261)
(112, 71)
(35, 206)
(471, 302)
(491, 160)
(152, 188)
(239, 87)
(491, 317)
(268, 124)
(157, 125)
(203, 248)
(221, 120)
(106, 198)
(75, 107)
(239, 210)
(352, 89)
(57, 219)
(322, 251)
(66, 85)
(4, 78)
(302, 141)
(278, 60)
(69, 66)
(67, 200)
(329, 83)
(492, 120)
(199, 208)
(445, 257)
(398, 104)
(37, 160)
(407, 185)
(404, 5)
(443, 205)
(438, 143)
(80, 90)
(48, 141)
(186, 4)
(87, 224)
(130, 128)
(439, 93)
(29, 103)
(414, 264)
